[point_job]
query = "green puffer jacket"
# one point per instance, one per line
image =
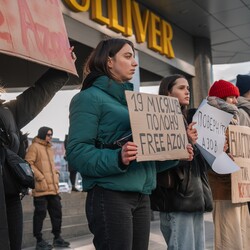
(100, 113)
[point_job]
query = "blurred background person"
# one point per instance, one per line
(243, 84)
(40, 155)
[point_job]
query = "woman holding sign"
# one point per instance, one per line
(231, 220)
(117, 205)
(183, 194)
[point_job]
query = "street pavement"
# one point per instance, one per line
(157, 242)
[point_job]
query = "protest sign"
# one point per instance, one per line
(239, 137)
(35, 30)
(157, 126)
(211, 125)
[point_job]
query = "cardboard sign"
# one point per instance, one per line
(157, 126)
(239, 138)
(211, 124)
(35, 30)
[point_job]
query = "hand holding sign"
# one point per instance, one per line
(157, 126)
(73, 55)
(192, 133)
(191, 152)
(211, 126)
(129, 152)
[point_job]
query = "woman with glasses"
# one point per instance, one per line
(40, 155)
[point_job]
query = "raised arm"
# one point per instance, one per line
(31, 102)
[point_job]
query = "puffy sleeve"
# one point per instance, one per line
(82, 154)
(31, 158)
(32, 101)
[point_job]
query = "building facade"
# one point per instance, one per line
(162, 48)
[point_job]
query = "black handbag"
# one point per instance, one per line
(20, 169)
(18, 174)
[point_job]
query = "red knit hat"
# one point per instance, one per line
(223, 89)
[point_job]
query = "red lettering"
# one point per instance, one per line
(1, 18)
(50, 44)
(4, 35)
(55, 2)
(27, 25)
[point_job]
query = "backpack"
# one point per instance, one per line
(17, 173)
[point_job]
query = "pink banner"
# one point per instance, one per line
(35, 30)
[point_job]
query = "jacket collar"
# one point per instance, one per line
(43, 142)
(113, 88)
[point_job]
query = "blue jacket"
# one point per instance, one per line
(100, 114)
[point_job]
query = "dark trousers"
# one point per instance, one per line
(15, 221)
(72, 177)
(118, 220)
(52, 203)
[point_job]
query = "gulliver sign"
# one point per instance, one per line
(147, 25)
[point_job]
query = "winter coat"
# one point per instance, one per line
(184, 188)
(25, 108)
(99, 115)
(221, 183)
(244, 109)
(40, 156)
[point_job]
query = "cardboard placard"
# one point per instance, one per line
(211, 125)
(239, 138)
(35, 30)
(157, 126)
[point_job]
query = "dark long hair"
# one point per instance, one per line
(97, 63)
(166, 85)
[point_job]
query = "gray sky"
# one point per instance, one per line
(55, 114)
(230, 71)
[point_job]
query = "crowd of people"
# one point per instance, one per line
(119, 189)
(121, 192)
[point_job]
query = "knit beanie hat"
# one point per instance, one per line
(243, 83)
(42, 132)
(223, 89)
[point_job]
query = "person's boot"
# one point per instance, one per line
(60, 242)
(43, 245)
(75, 189)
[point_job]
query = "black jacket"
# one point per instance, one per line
(24, 109)
(189, 190)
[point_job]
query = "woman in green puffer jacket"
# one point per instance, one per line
(117, 205)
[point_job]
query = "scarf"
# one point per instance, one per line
(222, 105)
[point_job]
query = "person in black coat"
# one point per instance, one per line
(22, 110)
(183, 193)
